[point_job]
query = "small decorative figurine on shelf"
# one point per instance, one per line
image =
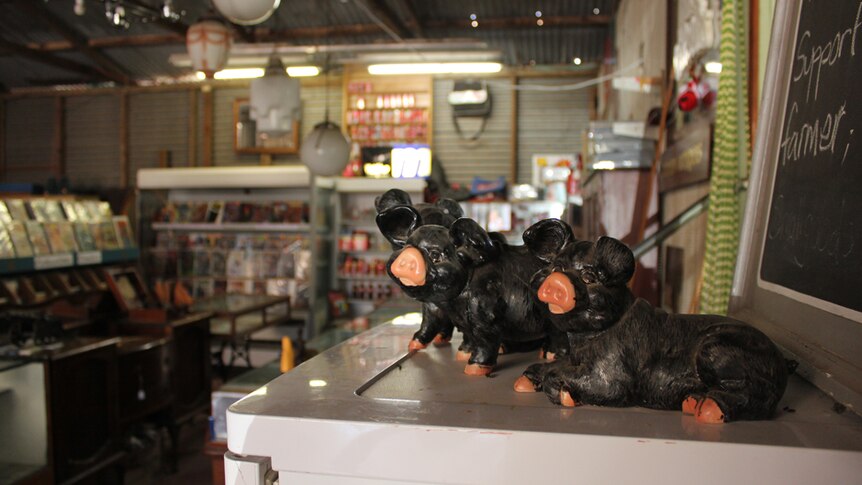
(625, 352)
(436, 325)
(475, 278)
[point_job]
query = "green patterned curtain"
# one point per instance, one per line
(729, 157)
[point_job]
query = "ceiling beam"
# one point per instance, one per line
(50, 59)
(244, 33)
(522, 22)
(262, 34)
(325, 32)
(110, 68)
(144, 40)
(177, 26)
(412, 19)
(379, 9)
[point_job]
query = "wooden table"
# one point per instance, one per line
(236, 317)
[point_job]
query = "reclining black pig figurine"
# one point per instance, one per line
(625, 352)
(436, 325)
(481, 283)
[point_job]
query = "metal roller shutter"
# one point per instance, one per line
(488, 157)
(550, 122)
(93, 141)
(158, 121)
(29, 138)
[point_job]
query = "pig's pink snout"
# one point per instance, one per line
(409, 267)
(558, 292)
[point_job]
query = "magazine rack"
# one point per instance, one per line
(238, 231)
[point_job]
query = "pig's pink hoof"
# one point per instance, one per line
(477, 370)
(462, 356)
(501, 350)
(550, 356)
(416, 345)
(689, 406)
(440, 340)
(566, 399)
(708, 412)
(523, 384)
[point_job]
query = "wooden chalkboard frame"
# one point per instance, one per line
(827, 345)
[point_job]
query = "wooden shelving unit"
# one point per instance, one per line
(384, 111)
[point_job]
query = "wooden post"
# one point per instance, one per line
(58, 155)
(642, 203)
(165, 159)
(513, 135)
(193, 128)
(753, 70)
(124, 139)
(207, 151)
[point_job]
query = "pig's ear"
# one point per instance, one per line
(450, 207)
(397, 223)
(473, 244)
(390, 199)
(545, 239)
(615, 260)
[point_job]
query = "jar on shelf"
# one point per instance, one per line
(360, 241)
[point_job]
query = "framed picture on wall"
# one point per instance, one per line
(248, 140)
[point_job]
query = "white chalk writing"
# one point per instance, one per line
(810, 139)
(810, 59)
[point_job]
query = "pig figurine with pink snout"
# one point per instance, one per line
(474, 278)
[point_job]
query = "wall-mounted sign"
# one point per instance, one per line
(687, 160)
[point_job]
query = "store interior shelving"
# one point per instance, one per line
(359, 251)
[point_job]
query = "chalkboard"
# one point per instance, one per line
(799, 270)
(813, 238)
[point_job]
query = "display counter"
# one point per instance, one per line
(366, 411)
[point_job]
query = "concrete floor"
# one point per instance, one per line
(147, 466)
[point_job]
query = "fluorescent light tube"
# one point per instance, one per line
(256, 72)
(245, 73)
(435, 68)
(303, 71)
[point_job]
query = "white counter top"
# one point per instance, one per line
(367, 410)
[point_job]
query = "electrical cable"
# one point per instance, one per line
(567, 87)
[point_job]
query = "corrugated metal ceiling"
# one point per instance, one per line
(29, 46)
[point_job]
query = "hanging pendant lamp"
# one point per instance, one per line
(246, 12)
(208, 43)
(274, 99)
(325, 151)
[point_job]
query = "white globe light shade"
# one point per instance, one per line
(246, 12)
(325, 151)
(208, 43)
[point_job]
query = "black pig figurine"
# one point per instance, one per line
(443, 212)
(481, 283)
(625, 352)
(436, 325)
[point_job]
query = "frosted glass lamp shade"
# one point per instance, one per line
(246, 12)
(274, 101)
(208, 43)
(325, 151)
